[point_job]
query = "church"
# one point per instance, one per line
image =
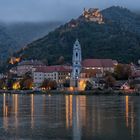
(76, 64)
(88, 69)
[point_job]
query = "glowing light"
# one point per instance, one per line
(67, 77)
(82, 85)
(71, 88)
(4, 88)
(16, 85)
(14, 60)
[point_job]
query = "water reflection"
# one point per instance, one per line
(130, 114)
(32, 111)
(127, 109)
(5, 112)
(75, 114)
(69, 117)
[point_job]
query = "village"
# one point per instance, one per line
(83, 75)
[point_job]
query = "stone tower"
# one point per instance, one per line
(76, 61)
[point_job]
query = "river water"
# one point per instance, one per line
(68, 117)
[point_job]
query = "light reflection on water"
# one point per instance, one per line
(69, 117)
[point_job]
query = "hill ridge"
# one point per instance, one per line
(118, 38)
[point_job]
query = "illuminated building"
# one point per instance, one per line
(93, 15)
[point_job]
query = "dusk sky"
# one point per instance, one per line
(50, 10)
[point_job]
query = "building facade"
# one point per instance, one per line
(99, 65)
(55, 73)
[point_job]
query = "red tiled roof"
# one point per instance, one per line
(107, 63)
(49, 69)
(98, 63)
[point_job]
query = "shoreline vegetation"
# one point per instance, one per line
(65, 92)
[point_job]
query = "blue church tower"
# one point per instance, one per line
(76, 61)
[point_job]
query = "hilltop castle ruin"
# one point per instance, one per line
(93, 15)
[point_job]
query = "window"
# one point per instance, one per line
(76, 54)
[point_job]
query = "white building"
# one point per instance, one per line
(56, 73)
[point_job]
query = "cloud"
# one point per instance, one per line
(38, 10)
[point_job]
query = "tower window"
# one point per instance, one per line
(76, 54)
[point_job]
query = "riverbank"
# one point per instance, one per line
(54, 92)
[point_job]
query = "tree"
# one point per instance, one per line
(10, 80)
(49, 84)
(61, 60)
(110, 81)
(10, 83)
(122, 72)
(3, 83)
(45, 84)
(66, 83)
(88, 86)
(26, 82)
(45, 61)
(52, 85)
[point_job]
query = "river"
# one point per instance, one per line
(69, 117)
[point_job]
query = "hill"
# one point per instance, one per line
(7, 44)
(26, 32)
(112, 33)
(14, 36)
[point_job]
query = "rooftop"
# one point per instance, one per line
(57, 68)
(98, 63)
